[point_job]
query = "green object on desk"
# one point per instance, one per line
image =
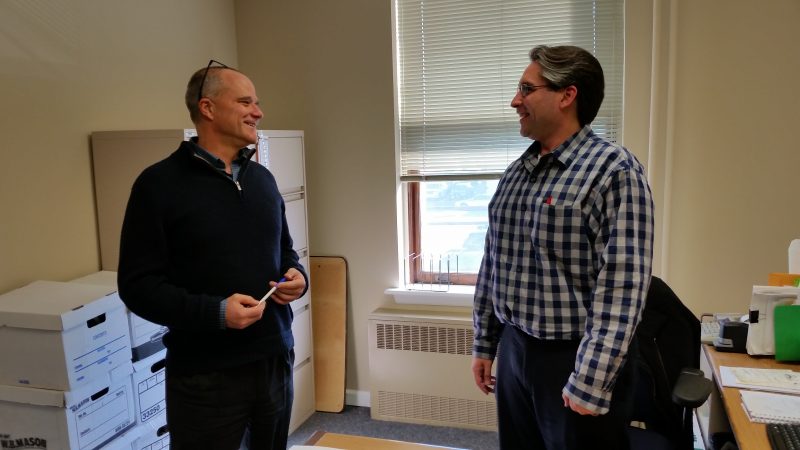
(787, 332)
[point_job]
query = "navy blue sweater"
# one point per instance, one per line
(191, 237)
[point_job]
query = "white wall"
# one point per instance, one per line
(70, 67)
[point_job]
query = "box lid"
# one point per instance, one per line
(62, 399)
(32, 396)
(54, 305)
(103, 278)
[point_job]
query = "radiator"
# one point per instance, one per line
(420, 370)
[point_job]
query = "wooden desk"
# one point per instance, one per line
(349, 442)
(749, 435)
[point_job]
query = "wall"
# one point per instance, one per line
(326, 68)
(70, 67)
(735, 158)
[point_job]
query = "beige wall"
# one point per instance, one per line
(717, 138)
(326, 67)
(70, 67)
(736, 159)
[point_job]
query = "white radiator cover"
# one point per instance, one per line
(420, 370)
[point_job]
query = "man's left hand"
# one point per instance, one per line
(576, 407)
(290, 289)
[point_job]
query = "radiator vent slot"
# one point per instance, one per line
(442, 410)
(420, 338)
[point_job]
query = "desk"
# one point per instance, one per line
(749, 435)
(349, 442)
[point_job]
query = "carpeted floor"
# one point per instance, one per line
(356, 420)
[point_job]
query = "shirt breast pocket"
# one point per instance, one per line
(558, 233)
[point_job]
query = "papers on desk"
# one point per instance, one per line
(769, 407)
(773, 380)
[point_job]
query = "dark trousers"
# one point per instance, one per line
(531, 414)
(213, 410)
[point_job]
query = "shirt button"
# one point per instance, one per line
(509, 266)
(519, 269)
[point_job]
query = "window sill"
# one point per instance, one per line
(456, 295)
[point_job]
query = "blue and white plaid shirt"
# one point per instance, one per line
(568, 255)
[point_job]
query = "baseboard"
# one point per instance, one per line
(357, 398)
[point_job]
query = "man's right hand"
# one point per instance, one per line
(241, 311)
(482, 371)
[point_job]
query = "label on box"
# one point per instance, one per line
(101, 416)
(27, 442)
(151, 396)
(149, 382)
(100, 348)
(103, 355)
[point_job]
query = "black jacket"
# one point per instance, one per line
(668, 337)
(190, 239)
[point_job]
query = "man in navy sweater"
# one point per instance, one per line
(204, 238)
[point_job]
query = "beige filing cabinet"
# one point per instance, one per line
(118, 157)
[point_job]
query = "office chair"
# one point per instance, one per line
(669, 383)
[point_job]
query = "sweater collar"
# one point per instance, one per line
(244, 154)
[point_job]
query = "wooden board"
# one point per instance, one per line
(329, 324)
(349, 442)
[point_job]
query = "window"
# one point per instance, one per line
(458, 63)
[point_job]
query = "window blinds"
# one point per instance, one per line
(459, 62)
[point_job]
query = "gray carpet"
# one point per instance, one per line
(356, 420)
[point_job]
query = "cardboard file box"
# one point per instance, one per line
(59, 336)
(154, 435)
(85, 418)
(149, 387)
(145, 335)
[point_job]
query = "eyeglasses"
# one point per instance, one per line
(203, 81)
(525, 88)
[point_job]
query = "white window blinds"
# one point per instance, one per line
(459, 62)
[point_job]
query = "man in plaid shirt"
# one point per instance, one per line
(566, 267)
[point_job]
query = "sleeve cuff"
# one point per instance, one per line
(222, 305)
(587, 396)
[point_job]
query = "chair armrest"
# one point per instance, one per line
(692, 388)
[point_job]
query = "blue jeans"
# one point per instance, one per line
(213, 410)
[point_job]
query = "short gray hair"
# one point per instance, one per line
(211, 87)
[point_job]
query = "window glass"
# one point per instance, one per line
(453, 221)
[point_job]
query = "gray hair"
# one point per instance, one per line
(567, 65)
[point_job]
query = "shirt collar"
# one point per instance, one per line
(564, 153)
(244, 154)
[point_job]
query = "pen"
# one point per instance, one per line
(271, 291)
